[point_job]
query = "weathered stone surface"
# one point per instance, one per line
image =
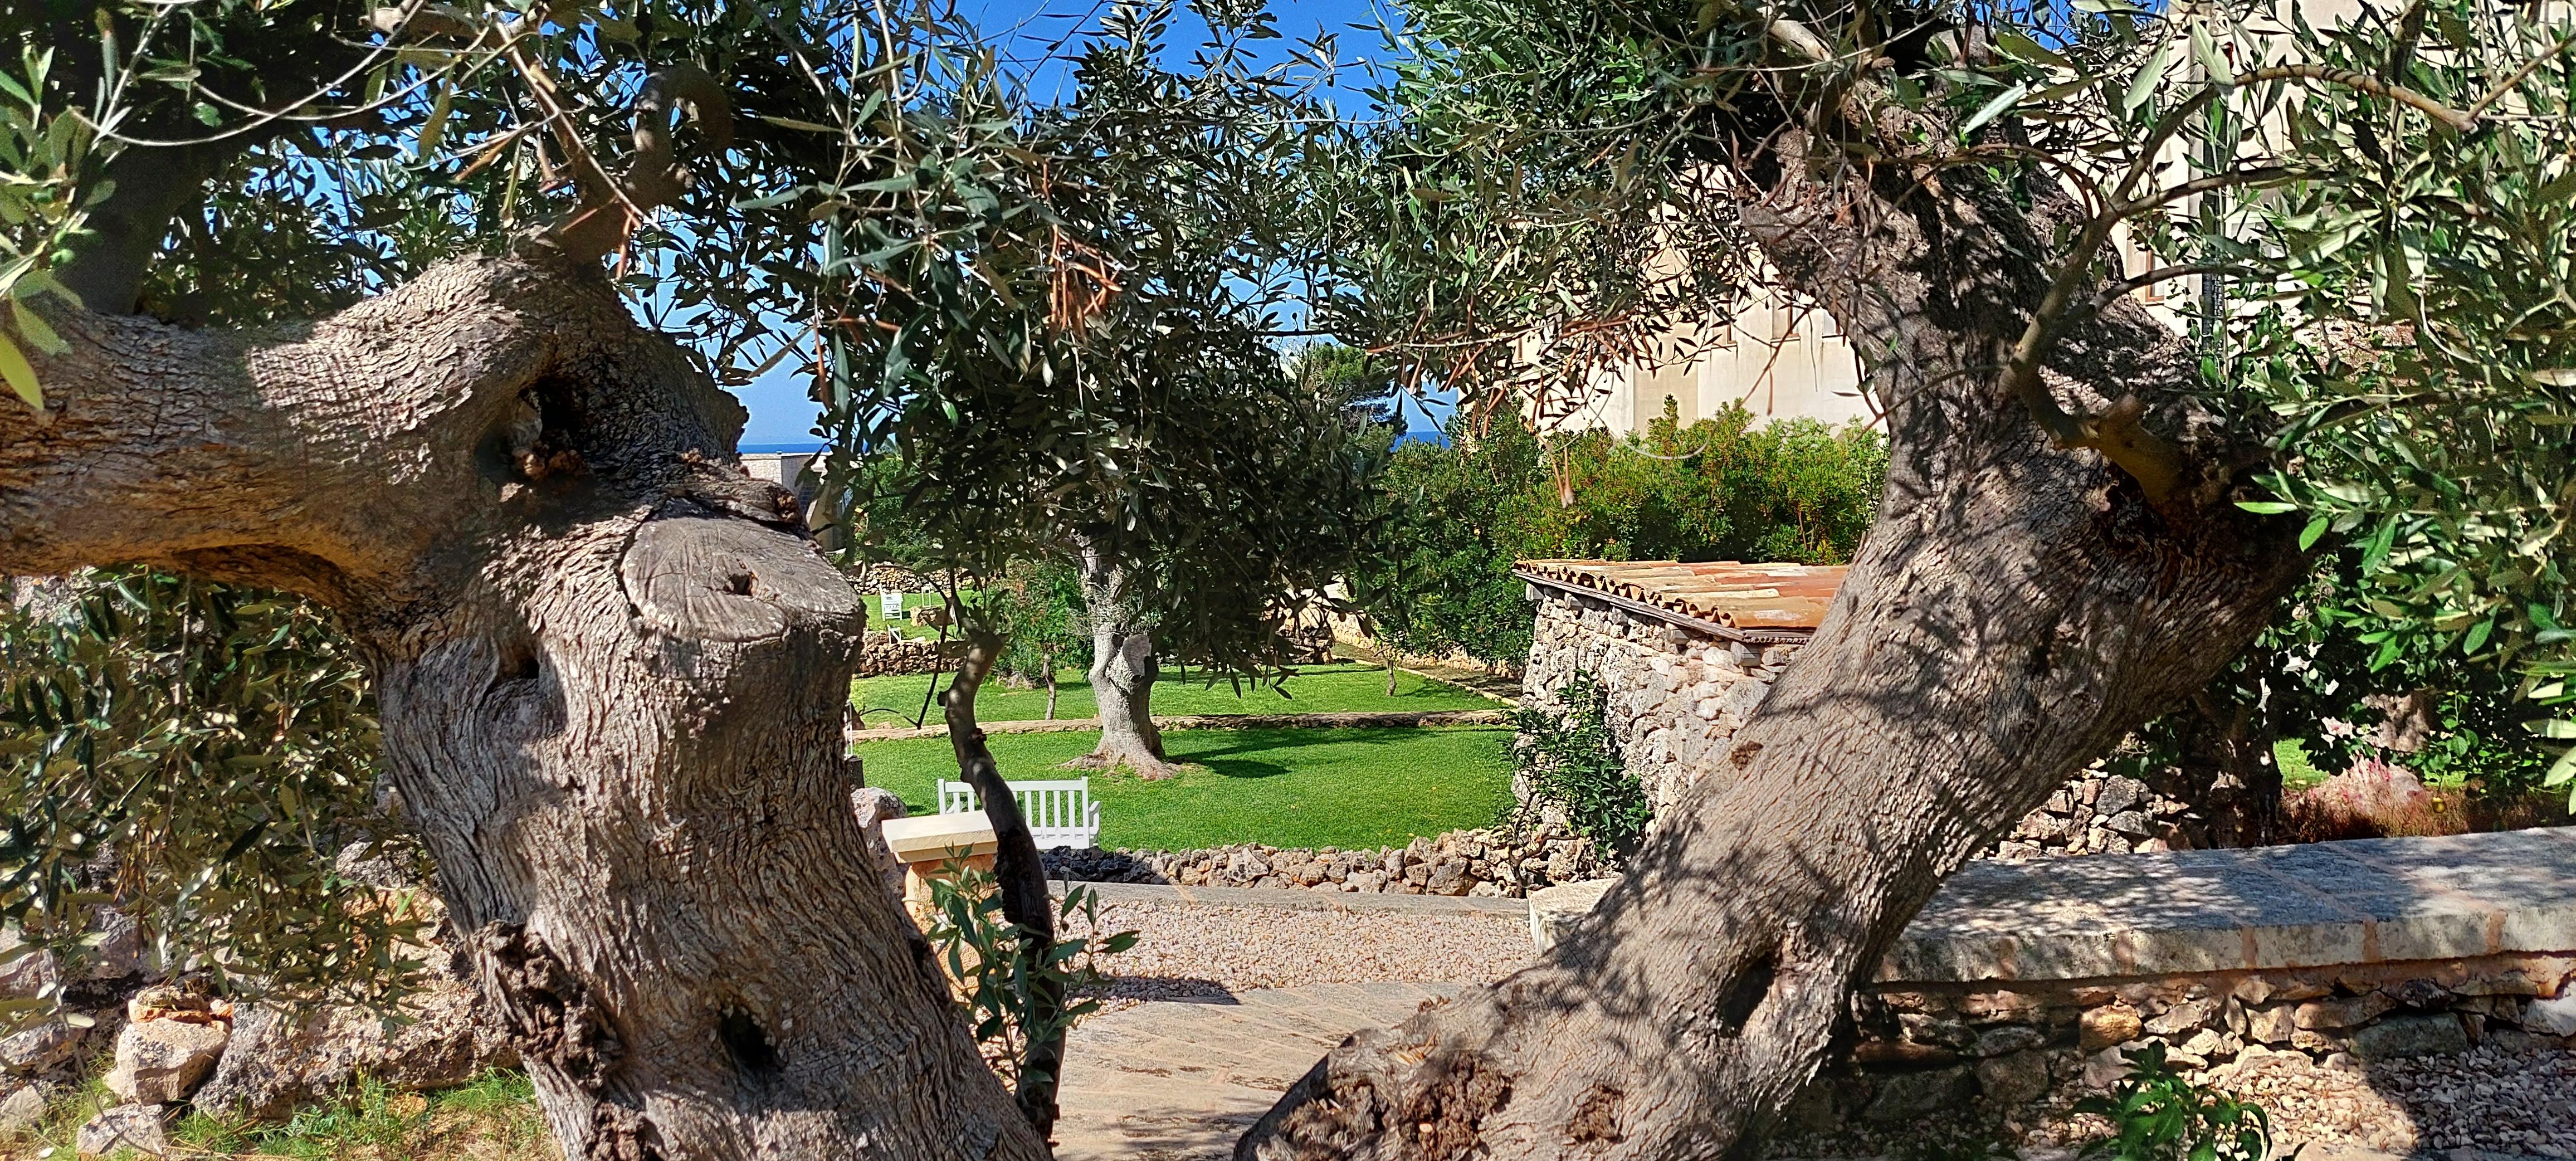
(25, 974)
(2351, 1012)
(278, 1061)
(2413, 1034)
(141, 1128)
(2003, 1039)
(1908, 1096)
(1554, 910)
(2109, 1025)
(160, 1061)
(2015, 1078)
(874, 805)
(23, 1107)
(2272, 1025)
(42, 1048)
(2105, 1068)
(2555, 1017)
(119, 950)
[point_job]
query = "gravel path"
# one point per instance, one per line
(2512, 1101)
(2490, 1098)
(1199, 951)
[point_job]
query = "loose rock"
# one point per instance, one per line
(140, 1128)
(279, 1061)
(160, 1061)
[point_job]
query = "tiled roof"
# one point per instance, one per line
(1737, 596)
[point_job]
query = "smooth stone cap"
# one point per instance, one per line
(931, 838)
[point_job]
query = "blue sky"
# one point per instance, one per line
(1030, 29)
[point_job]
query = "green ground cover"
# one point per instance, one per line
(494, 1118)
(1339, 687)
(1300, 788)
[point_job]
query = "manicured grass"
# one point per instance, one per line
(1339, 687)
(1290, 788)
(2297, 773)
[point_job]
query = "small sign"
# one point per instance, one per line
(892, 604)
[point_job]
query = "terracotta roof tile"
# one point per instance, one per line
(1739, 596)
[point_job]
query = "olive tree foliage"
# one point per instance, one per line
(195, 754)
(1104, 380)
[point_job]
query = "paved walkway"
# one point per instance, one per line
(1179, 1081)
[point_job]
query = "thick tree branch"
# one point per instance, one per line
(1020, 873)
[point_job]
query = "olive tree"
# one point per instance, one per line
(2087, 511)
(1195, 484)
(609, 668)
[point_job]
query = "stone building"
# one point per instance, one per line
(1685, 653)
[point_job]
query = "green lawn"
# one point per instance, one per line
(1290, 788)
(1340, 687)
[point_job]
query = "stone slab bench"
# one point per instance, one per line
(2370, 901)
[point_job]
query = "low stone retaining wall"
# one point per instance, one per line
(1677, 693)
(885, 654)
(2024, 983)
(1466, 863)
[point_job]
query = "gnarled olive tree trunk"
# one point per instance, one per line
(1123, 670)
(2014, 611)
(612, 673)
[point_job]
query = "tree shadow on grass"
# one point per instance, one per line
(1266, 741)
(1241, 767)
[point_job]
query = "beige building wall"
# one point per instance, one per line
(1777, 359)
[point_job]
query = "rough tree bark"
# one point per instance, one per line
(2015, 610)
(611, 673)
(1123, 670)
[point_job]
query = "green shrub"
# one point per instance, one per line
(1571, 762)
(2157, 1115)
(1435, 576)
(1004, 988)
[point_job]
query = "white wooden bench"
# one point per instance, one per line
(1060, 812)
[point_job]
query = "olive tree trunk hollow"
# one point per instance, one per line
(1123, 671)
(2015, 610)
(611, 671)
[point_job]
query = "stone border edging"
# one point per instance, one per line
(1299, 899)
(1424, 719)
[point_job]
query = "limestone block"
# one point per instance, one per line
(22, 1108)
(2104, 1069)
(2109, 1026)
(1910, 1096)
(2007, 1039)
(160, 1061)
(140, 1128)
(2552, 1017)
(2016, 1078)
(2182, 1018)
(1553, 911)
(2351, 1012)
(39, 1049)
(30, 974)
(2412, 1034)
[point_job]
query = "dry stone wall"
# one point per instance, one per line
(885, 653)
(1482, 863)
(1674, 693)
